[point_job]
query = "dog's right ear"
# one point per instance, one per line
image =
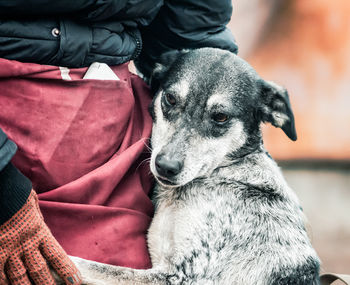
(162, 66)
(276, 109)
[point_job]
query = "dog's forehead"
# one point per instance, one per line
(209, 73)
(212, 78)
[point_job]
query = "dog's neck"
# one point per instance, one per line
(255, 170)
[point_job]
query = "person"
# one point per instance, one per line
(82, 143)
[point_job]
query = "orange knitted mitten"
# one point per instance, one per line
(27, 247)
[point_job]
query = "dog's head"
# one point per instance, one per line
(207, 110)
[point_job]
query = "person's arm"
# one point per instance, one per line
(14, 187)
(73, 33)
(186, 24)
(26, 243)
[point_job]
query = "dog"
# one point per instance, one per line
(224, 214)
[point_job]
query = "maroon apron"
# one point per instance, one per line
(83, 145)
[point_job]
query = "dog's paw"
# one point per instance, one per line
(58, 280)
(89, 271)
(56, 277)
(79, 262)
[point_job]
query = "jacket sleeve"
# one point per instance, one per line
(141, 11)
(14, 186)
(186, 24)
(74, 33)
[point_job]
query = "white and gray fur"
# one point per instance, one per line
(223, 212)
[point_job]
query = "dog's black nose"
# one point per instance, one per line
(167, 167)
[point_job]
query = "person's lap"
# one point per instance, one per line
(82, 144)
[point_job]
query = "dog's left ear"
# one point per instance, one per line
(275, 108)
(163, 64)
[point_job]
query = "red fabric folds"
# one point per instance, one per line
(83, 145)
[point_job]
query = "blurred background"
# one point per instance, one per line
(304, 45)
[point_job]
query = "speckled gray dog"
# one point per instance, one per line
(224, 213)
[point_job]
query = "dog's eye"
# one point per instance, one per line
(220, 117)
(170, 99)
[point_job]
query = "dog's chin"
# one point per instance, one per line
(167, 183)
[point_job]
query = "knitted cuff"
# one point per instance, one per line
(14, 191)
(7, 150)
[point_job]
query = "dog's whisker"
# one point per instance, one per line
(146, 144)
(144, 161)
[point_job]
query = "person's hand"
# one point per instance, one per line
(27, 249)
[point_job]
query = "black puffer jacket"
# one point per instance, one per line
(77, 33)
